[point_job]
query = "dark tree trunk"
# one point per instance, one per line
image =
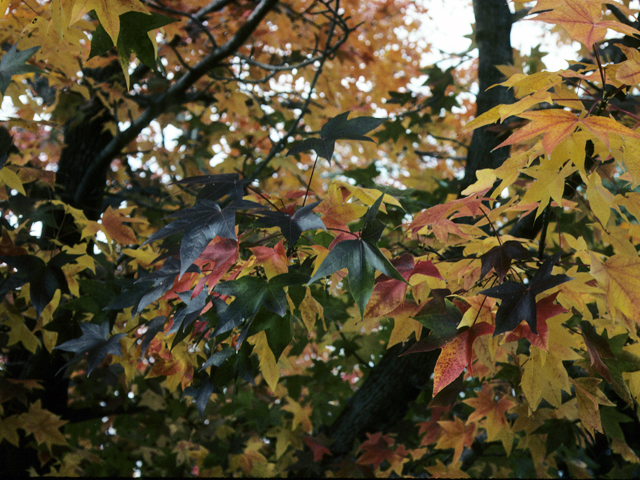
(493, 31)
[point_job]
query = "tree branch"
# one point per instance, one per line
(174, 95)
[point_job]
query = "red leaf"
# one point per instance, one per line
(318, 449)
(376, 450)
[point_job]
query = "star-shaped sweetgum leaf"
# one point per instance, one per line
(201, 224)
(94, 345)
(361, 257)
(519, 300)
(292, 226)
(14, 63)
(338, 128)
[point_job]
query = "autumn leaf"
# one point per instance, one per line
(519, 300)
(200, 224)
(108, 12)
(598, 348)
(389, 293)
(455, 434)
(582, 19)
(493, 412)
(376, 449)
(456, 344)
(44, 425)
(319, 450)
(338, 128)
(619, 277)
(557, 125)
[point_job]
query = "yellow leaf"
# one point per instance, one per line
(619, 277)
(11, 180)
(589, 397)
(19, 332)
(544, 376)
(9, 429)
(108, 12)
(44, 425)
(301, 415)
(600, 199)
(403, 324)
(310, 310)
(629, 71)
(456, 435)
(486, 178)
(268, 364)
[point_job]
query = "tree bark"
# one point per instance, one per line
(493, 37)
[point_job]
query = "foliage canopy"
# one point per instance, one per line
(304, 251)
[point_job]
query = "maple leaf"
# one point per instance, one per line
(619, 277)
(589, 398)
(545, 309)
(389, 293)
(108, 13)
(219, 256)
(133, 38)
(292, 226)
(338, 128)
(13, 63)
(319, 450)
(94, 345)
(44, 425)
(499, 258)
(202, 393)
(557, 125)
(484, 405)
(519, 300)
(162, 280)
(217, 186)
(582, 19)
(201, 224)
(112, 221)
(250, 294)
(455, 434)
(361, 258)
(377, 449)
(456, 343)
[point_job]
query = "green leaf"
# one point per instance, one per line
(338, 128)
(250, 294)
(14, 63)
(361, 260)
(133, 37)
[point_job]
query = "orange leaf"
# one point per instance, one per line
(115, 229)
(456, 356)
(582, 19)
(486, 406)
(456, 435)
